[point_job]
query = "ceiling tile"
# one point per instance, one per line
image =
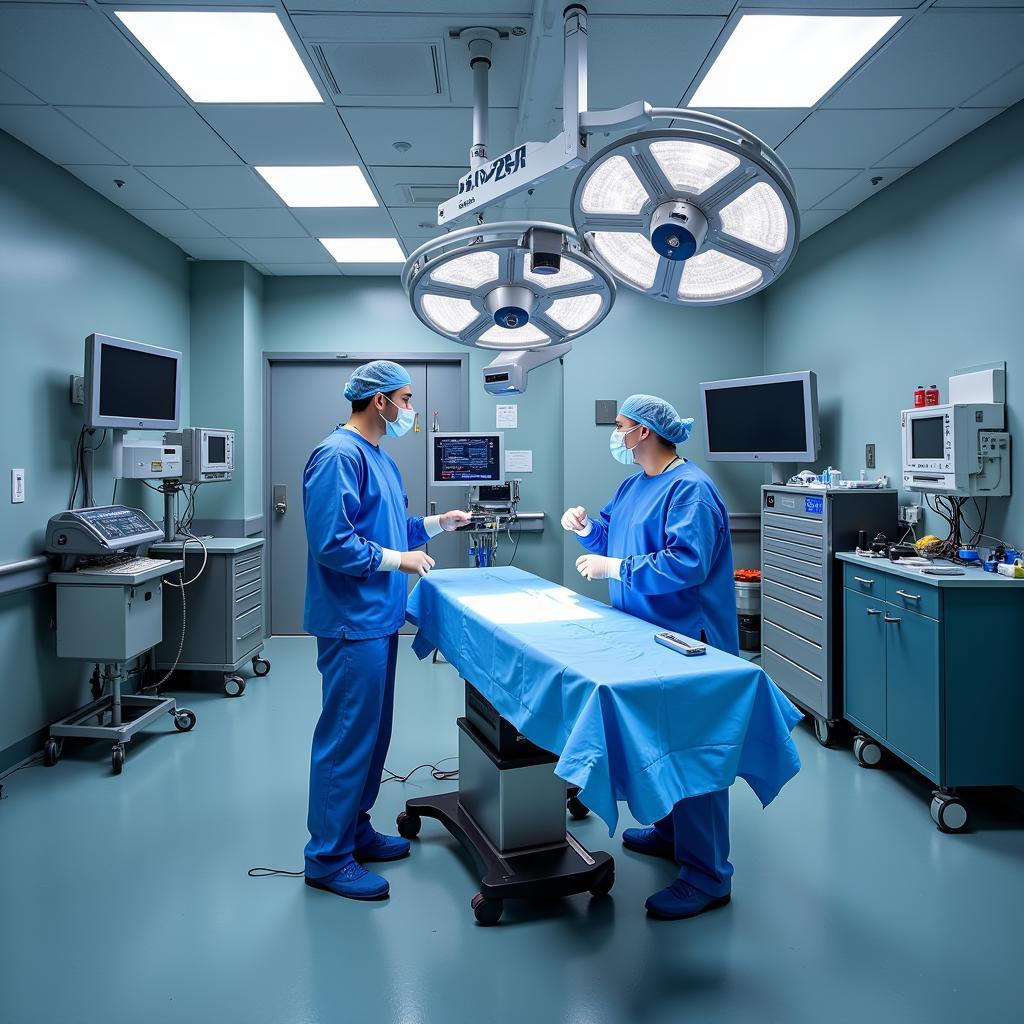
(938, 60)
(393, 182)
(334, 222)
(1004, 92)
(57, 50)
(438, 136)
(286, 250)
(795, 6)
(978, 3)
(410, 220)
(213, 188)
(302, 269)
(654, 59)
(177, 223)
(286, 134)
(259, 223)
(11, 92)
(154, 135)
(863, 186)
(372, 270)
(477, 7)
(936, 137)
(814, 183)
(137, 192)
(211, 249)
(53, 135)
(770, 125)
(815, 220)
(852, 138)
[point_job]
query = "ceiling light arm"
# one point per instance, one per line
(481, 45)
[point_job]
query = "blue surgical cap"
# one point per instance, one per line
(657, 415)
(372, 378)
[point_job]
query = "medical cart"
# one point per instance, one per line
(223, 610)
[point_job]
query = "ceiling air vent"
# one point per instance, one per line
(427, 195)
(381, 69)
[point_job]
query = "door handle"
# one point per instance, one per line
(867, 583)
(874, 611)
(280, 499)
(433, 508)
(909, 597)
(892, 618)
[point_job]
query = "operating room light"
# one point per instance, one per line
(527, 336)
(576, 312)
(757, 217)
(787, 60)
(469, 271)
(712, 275)
(453, 315)
(629, 255)
(692, 166)
(614, 188)
(225, 56)
(364, 250)
(319, 186)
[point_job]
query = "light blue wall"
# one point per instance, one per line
(70, 263)
(923, 279)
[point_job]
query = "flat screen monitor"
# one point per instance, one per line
(926, 437)
(466, 459)
(762, 419)
(131, 385)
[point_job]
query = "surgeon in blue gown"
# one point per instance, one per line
(663, 544)
(361, 540)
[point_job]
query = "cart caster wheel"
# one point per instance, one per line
(824, 732)
(117, 759)
(409, 825)
(261, 666)
(603, 885)
(577, 808)
(867, 752)
(234, 686)
(949, 813)
(485, 910)
(51, 753)
(184, 720)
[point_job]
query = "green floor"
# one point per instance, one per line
(127, 899)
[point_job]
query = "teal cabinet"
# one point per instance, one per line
(912, 691)
(864, 662)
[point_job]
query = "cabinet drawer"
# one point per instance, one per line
(248, 630)
(253, 587)
(254, 575)
(786, 546)
(790, 595)
(245, 604)
(805, 653)
(804, 624)
(804, 687)
(864, 581)
(813, 527)
(913, 596)
(246, 562)
(799, 566)
(805, 584)
(801, 540)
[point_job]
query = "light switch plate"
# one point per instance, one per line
(869, 456)
(17, 486)
(77, 389)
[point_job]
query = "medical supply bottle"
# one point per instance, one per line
(931, 396)
(919, 396)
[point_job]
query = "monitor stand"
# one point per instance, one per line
(782, 471)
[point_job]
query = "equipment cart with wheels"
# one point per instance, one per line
(509, 815)
(223, 610)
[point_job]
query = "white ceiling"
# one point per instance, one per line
(77, 88)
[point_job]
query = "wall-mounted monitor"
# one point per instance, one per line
(466, 459)
(130, 385)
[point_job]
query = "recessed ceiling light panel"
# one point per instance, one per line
(225, 56)
(338, 186)
(364, 250)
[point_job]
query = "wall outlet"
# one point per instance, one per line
(869, 456)
(77, 389)
(910, 515)
(17, 486)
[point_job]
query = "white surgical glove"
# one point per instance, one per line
(598, 567)
(576, 520)
(454, 519)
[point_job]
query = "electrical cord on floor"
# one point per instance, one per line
(267, 872)
(32, 762)
(441, 774)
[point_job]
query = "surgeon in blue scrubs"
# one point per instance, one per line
(361, 540)
(663, 544)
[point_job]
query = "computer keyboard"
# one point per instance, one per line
(126, 568)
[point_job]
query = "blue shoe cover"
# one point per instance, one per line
(647, 840)
(680, 900)
(352, 881)
(382, 847)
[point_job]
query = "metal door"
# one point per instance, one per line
(305, 404)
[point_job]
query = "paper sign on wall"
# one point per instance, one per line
(518, 462)
(507, 416)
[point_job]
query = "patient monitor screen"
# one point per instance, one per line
(926, 437)
(137, 385)
(466, 459)
(217, 449)
(762, 418)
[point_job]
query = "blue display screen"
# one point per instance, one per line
(816, 506)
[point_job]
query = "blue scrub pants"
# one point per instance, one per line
(350, 743)
(698, 828)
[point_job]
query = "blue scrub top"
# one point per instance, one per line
(672, 533)
(355, 505)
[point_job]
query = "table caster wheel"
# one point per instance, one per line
(184, 720)
(261, 666)
(486, 910)
(949, 813)
(604, 882)
(577, 808)
(234, 686)
(409, 825)
(51, 752)
(824, 731)
(867, 752)
(117, 758)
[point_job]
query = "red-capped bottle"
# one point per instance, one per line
(931, 396)
(919, 396)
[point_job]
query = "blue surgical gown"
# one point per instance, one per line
(672, 533)
(355, 505)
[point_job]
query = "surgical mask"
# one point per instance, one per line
(400, 426)
(617, 444)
